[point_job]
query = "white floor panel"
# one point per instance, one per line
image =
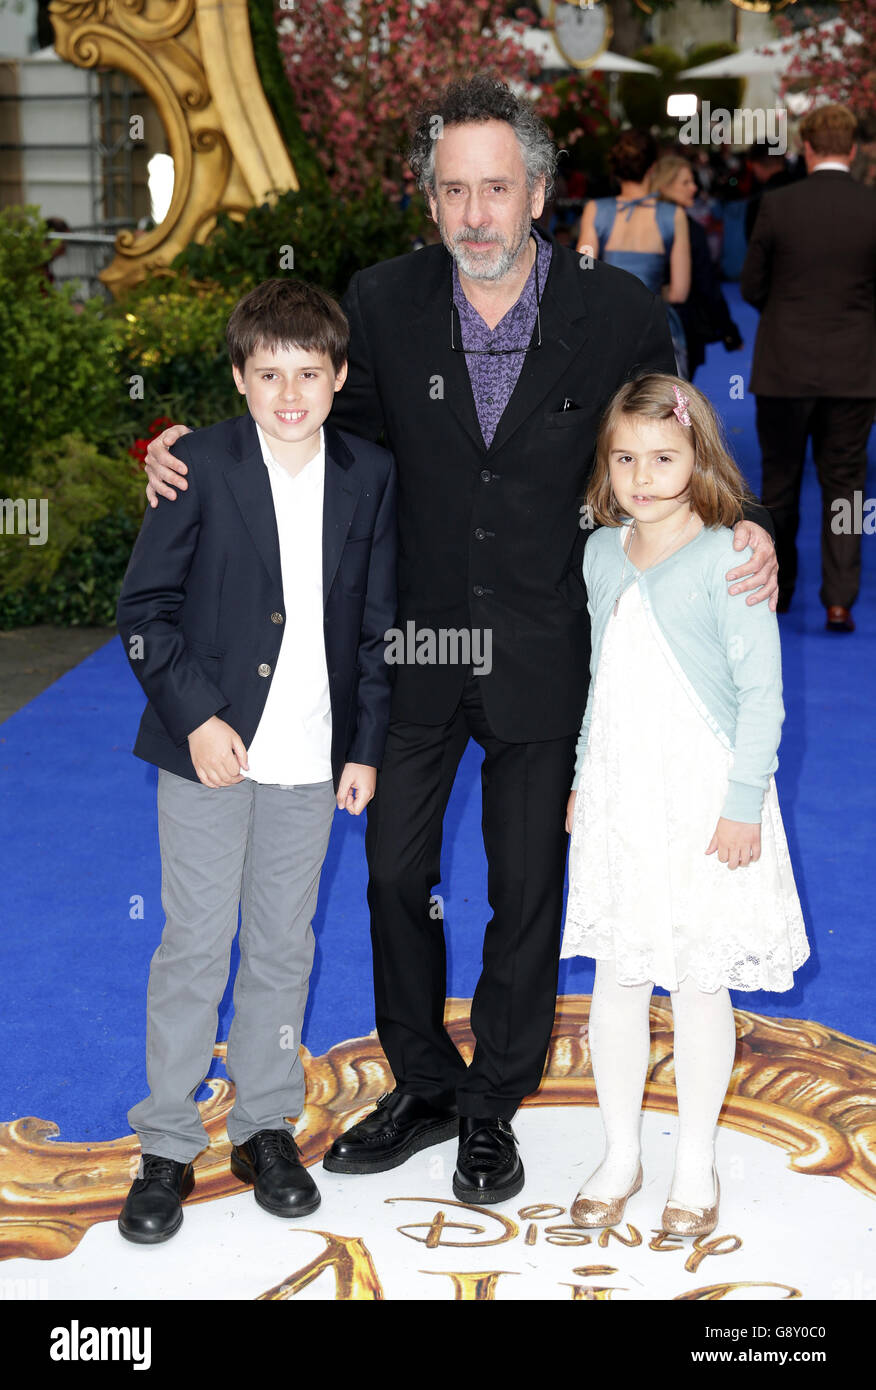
(401, 1233)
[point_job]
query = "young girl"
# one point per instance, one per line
(679, 873)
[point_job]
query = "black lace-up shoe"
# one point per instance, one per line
(400, 1126)
(488, 1167)
(153, 1206)
(271, 1162)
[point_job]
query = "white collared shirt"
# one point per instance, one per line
(830, 164)
(292, 743)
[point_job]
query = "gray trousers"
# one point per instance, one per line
(260, 847)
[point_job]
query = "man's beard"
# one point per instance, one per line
(471, 265)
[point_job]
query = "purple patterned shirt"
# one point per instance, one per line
(493, 378)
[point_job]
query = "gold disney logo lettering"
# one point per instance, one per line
(356, 1276)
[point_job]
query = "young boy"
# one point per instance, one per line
(253, 613)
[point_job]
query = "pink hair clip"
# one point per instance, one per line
(680, 410)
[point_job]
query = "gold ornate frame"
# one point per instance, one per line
(800, 1085)
(195, 59)
(582, 64)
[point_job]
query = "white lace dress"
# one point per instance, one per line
(642, 891)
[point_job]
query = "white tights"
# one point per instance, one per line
(704, 1051)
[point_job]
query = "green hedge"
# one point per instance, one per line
(83, 385)
(725, 92)
(59, 357)
(171, 339)
(643, 95)
(95, 506)
(329, 238)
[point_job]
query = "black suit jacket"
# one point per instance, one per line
(780, 179)
(490, 537)
(705, 313)
(204, 592)
(811, 270)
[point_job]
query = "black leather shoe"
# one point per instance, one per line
(400, 1126)
(271, 1162)
(153, 1206)
(839, 619)
(488, 1168)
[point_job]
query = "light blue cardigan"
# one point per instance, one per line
(725, 652)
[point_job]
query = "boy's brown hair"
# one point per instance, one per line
(287, 313)
(717, 489)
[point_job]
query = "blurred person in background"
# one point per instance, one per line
(704, 314)
(58, 247)
(650, 239)
(769, 170)
(811, 271)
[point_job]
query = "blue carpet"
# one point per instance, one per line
(79, 835)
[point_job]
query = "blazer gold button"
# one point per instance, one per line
(276, 617)
(264, 669)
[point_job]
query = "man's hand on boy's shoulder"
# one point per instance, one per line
(356, 787)
(162, 468)
(218, 753)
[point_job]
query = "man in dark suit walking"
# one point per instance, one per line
(811, 270)
(769, 170)
(487, 369)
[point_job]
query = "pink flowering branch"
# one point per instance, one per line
(358, 71)
(830, 67)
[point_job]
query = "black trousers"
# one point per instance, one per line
(525, 787)
(840, 428)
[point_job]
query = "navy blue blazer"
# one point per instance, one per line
(202, 609)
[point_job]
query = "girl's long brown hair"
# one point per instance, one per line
(717, 489)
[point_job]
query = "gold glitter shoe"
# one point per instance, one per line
(587, 1211)
(681, 1220)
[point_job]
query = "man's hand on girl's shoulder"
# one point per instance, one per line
(761, 572)
(162, 468)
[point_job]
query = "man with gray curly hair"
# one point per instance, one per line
(465, 103)
(487, 371)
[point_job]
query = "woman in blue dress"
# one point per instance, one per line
(641, 233)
